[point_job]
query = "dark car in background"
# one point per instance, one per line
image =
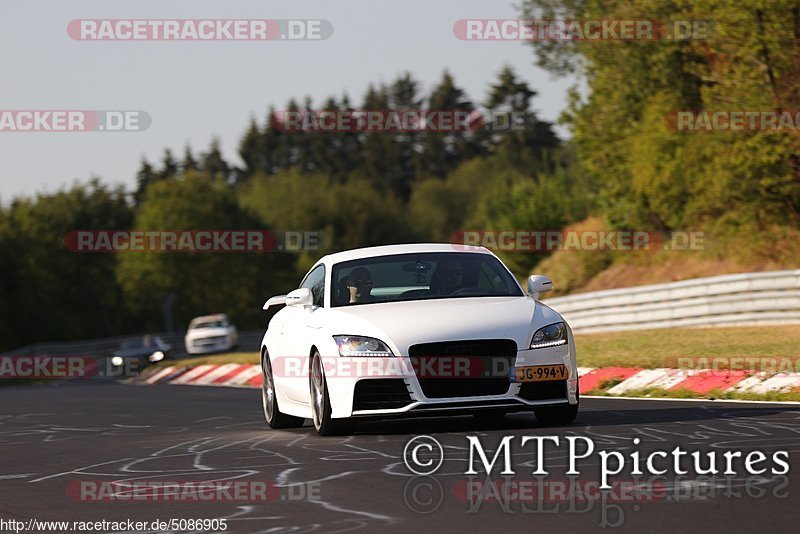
(139, 352)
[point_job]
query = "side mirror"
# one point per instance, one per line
(300, 297)
(538, 283)
(280, 300)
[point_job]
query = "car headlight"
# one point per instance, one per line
(117, 360)
(362, 346)
(157, 356)
(551, 335)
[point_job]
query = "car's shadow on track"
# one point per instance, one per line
(588, 418)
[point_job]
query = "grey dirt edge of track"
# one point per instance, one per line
(53, 436)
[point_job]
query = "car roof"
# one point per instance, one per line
(389, 250)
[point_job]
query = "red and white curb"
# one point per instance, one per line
(229, 374)
(629, 378)
(698, 381)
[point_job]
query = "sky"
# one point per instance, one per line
(194, 91)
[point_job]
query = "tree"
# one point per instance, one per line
(213, 164)
(250, 150)
(189, 163)
(202, 282)
(351, 214)
(144, 177)
(655, 178)
(75, 293)
(442, 152)
(529, 139)
(169, 167)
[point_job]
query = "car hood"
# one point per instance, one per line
(402, 324)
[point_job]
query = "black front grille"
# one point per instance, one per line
(548, 389)
(488, 362)
(380, 394)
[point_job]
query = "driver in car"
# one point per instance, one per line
(450, 276)
(359, 285)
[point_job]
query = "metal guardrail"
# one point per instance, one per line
(736, 299)
(249, 341)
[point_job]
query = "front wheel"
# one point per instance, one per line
(272, 412)
(558, 415)
(324, 424)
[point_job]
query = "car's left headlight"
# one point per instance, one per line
(362, 346)
(551, 335)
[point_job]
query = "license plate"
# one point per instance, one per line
(540, 373)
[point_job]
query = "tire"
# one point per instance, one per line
(324, 424)
(558, 415)
(269, 400)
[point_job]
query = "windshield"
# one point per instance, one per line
(210, 324)
(420, 276)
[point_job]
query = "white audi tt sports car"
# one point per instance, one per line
(412, 330)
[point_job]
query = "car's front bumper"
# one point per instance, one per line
(345, 402)
(453, 407)
(207, 345)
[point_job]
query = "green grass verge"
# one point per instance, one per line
(662, 348)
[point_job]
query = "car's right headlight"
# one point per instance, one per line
(361, 346)
(551, 335)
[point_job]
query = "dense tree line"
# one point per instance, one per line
(357, 188)
(728, 183)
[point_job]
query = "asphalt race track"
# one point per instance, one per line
(53, 437)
